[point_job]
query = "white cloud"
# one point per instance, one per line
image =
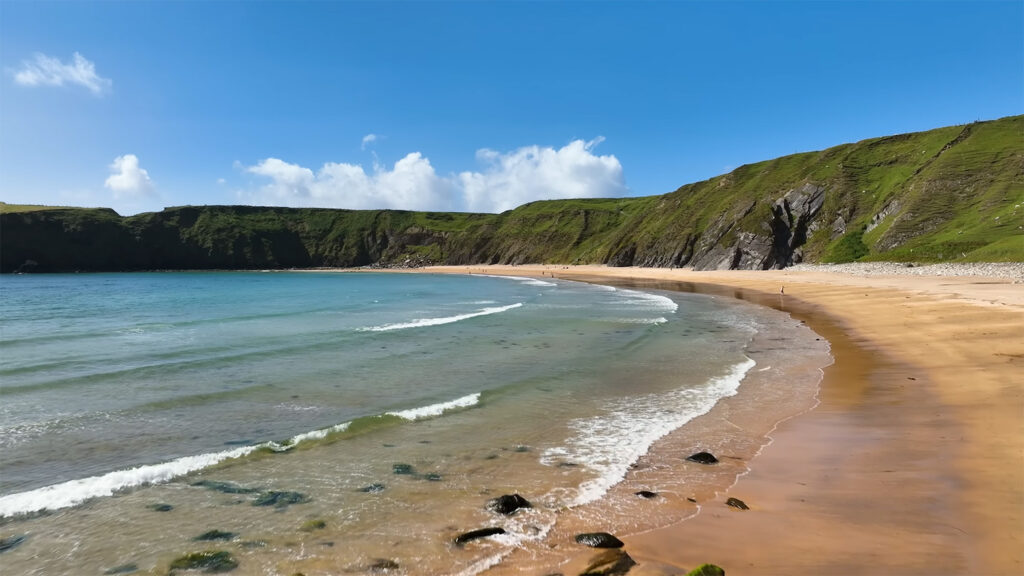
(44, 70)
(369, 139)
(127, 179)
(508, 180)
(541, 173)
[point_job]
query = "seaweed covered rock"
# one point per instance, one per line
(609, 563)
(373, 488)
(706, 570)
(703, 458)
(403, 469)
(477, 534)
(599, 540)
(225, 487)
(737, 503)
(508, 504)
(211, 535)
(209, 561)
(311, 525)
(280, 499)
(383, 565)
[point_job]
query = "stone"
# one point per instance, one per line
(311, 525)
(160, 507)
(609, 563)
(209, 561)
(123, 569)
(706, 570)
(11, 543)
(373, 488)
(737, 503)
(599, 540)
(703, 458)
(647, 494)
(508, 504)
(280, 499)
(212, 535)
(432, 477)
(403, 469)
(476, 534)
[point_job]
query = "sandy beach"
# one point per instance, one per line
(913, 463)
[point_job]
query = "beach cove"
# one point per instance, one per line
(913, 463)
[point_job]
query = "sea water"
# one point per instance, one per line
(374, 414)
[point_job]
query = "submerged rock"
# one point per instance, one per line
(160, 507)
(403, 469)
(432, 477)
(11, 543)
(215, 535)
(706, 570)
(599, 540)
(737, 503)
(610, 563)
(280, 499)
(209, 561)
(508, 504)
(373, 488)
(311, 525)
(123, 569)
(475, 534)
(647, 494)
(383, 565)
(703, 458)
(225, 487)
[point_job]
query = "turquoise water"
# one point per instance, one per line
(139, 385)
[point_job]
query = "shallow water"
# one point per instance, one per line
(326, 384)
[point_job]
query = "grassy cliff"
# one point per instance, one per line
(950, 194)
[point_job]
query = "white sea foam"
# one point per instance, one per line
(520, 279)
(433, 410)
(421, 322)
(648, 300)
(610, 443)
(658, 320)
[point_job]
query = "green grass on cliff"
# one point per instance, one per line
(950, 194)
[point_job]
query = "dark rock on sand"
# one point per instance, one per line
(215, 535)
(610, 563)
(703, 458)
(737, 503)
(383, 565)
(403, 469)
(280, 499)
(209, 561)
(432, 477)
(373, 488)
(694, 500)
(160, 507)
(647, 494)
(599, 540)
(508, 504)
(706, 570)
(11, 543)
(225, 487)
(123, 569)
(481, 533)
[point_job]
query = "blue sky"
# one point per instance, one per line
(464, 105)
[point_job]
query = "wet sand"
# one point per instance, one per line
(913, 463)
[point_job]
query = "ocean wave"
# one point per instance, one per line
(433, 410)
(647, 300)
(655, 321)
(610, 443)
(521, 279)
(421, 322)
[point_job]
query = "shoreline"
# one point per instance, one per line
(911, 463)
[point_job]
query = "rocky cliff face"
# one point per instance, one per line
(950, 193)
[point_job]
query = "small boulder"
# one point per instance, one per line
(209, 561)
(373, 488)
(609, 563)
(706, 570)
(311, 525)
(703, 458)
(599, 540)
(160, 507)
(475, 534)
(508, 504)
(383, 565)
(123, 569)
(432, 477)
(737, 503)
(11, 543)
(647, 494)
